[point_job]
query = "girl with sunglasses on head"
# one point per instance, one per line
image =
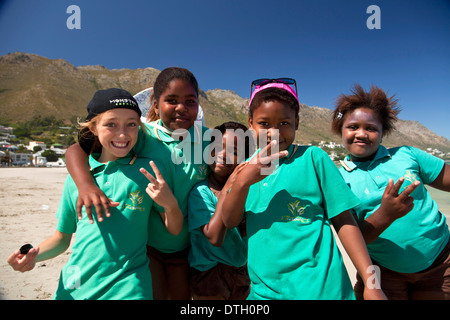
(292, 253)
(406, 234)
(174, 138)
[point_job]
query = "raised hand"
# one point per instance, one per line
(160, 192)
(396, 205)
(158, 189)
(262, 165)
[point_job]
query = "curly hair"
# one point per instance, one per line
(376, 99)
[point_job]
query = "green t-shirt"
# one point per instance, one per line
(185, 159)
(292, 253)
(411, 243)
(108, 259)
(203, 255)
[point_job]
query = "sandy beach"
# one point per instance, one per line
(30, 198)
(29, 201)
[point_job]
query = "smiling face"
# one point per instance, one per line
(362, 132)
(226, 157)
(178, 105)
(272, 115)
(117, 131)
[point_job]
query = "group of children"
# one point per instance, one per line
(179, 228)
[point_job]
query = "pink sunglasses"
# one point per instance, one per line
(282, 83)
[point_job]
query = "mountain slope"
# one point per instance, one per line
(31, 85)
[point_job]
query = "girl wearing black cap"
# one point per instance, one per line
(108, 260)
(175, 139)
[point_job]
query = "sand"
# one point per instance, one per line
(29, 200)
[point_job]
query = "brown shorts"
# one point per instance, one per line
(175, 258)
(230, 283)
(431, 283)
(170, 274)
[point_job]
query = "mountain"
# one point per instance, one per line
(31, 85)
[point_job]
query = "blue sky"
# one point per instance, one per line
(325, 45)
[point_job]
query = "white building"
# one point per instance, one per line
(330, 144)
(20, 159)
(58, 151)
(59, 163)
(38, 160)
(33, 144)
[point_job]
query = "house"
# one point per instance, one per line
(58, 150)
(59, 163)
(38, 160)
(4, 145)
(33, 144)
(20, 159)
(6, 129)
(331, 145)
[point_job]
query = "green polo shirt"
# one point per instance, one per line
(411, 243)
(185, 159)
(109, 259)
(203, 255)
(292, 253)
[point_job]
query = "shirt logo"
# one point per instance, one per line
(202, 172)
(136, 200)
(297, 210)
(409, 176)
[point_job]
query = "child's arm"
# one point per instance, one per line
(49, 248)
(234, 203)
(215, 230)
(442, 182)
(393, 206)
(88, 192)
(353, 243)
(160, 192)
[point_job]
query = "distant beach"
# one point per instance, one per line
(443, 200)
(29, 201)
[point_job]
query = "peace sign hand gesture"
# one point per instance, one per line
(160, 192)
(158, 189)
(396, 205)
(255, 170)
(262, 164)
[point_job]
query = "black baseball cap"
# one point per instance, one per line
(107, 99)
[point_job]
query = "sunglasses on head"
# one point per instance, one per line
(261, 82)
